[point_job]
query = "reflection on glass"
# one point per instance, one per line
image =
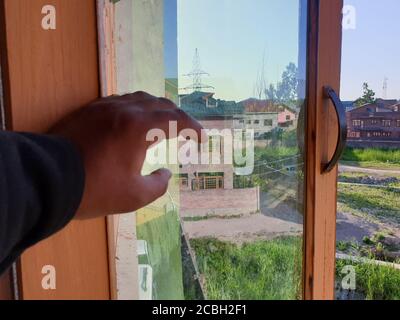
(231, 225)
(368, 220)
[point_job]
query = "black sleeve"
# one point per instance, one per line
(41, 186)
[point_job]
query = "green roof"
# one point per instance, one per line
(193, 105)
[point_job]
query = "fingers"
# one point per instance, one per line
(158, 104)
(152, 187)
(150, 101)
(174, 122)
(132, 97)
(157, 113)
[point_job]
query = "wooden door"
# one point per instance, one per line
(47, 73)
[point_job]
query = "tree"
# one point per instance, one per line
(367, 97)
(270, 93)
(286, 90)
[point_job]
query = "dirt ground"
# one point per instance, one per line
(244, 229)
(280, 221)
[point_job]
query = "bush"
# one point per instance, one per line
(378, 155)
(262, 270)
(375, 282)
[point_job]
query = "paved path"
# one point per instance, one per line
(343, 168)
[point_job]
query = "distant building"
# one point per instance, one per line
(287, 119)
(260, 122)
(209, 188)
(386, 103)
(171, 89)
(349, 105)
(374, 125)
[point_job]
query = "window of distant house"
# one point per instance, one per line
(354, 135)
(287, 118)
(268, 123)
(356, 123)
(398, 123)
(215, 145)
(374, 122)
(183, 179)
(208, 180)
(248, 121)
(241, 121)
(256, 121)
(386, 123)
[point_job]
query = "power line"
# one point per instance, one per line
(196, 75)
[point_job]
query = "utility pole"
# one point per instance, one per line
(196, 75)
(385, 87)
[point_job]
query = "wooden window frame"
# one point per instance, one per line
(34, 99)
(323, 68)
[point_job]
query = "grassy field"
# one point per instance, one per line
(263, 270)
(372, 281)
(272, 154)
(271, 270)
(163, 237)
(372, 157)
(377, 204)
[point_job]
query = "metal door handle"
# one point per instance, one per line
(329, 93)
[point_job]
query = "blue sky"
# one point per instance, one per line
(232, 38)
(371, 52)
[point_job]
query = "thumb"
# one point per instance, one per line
(154, 186)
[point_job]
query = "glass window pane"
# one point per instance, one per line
(231, 223)
(368, 219)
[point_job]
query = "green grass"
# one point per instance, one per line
(382, 204)
(163, 237)
(395, 184)
(372, 157)
(347, 246)
(262, 270)
(271, 270)
(274, 153)
(373, 281)
(351, 175)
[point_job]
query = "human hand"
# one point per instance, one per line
(110, 134)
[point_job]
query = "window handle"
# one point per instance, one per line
(329, 93)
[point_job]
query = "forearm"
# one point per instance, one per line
(41, 185)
